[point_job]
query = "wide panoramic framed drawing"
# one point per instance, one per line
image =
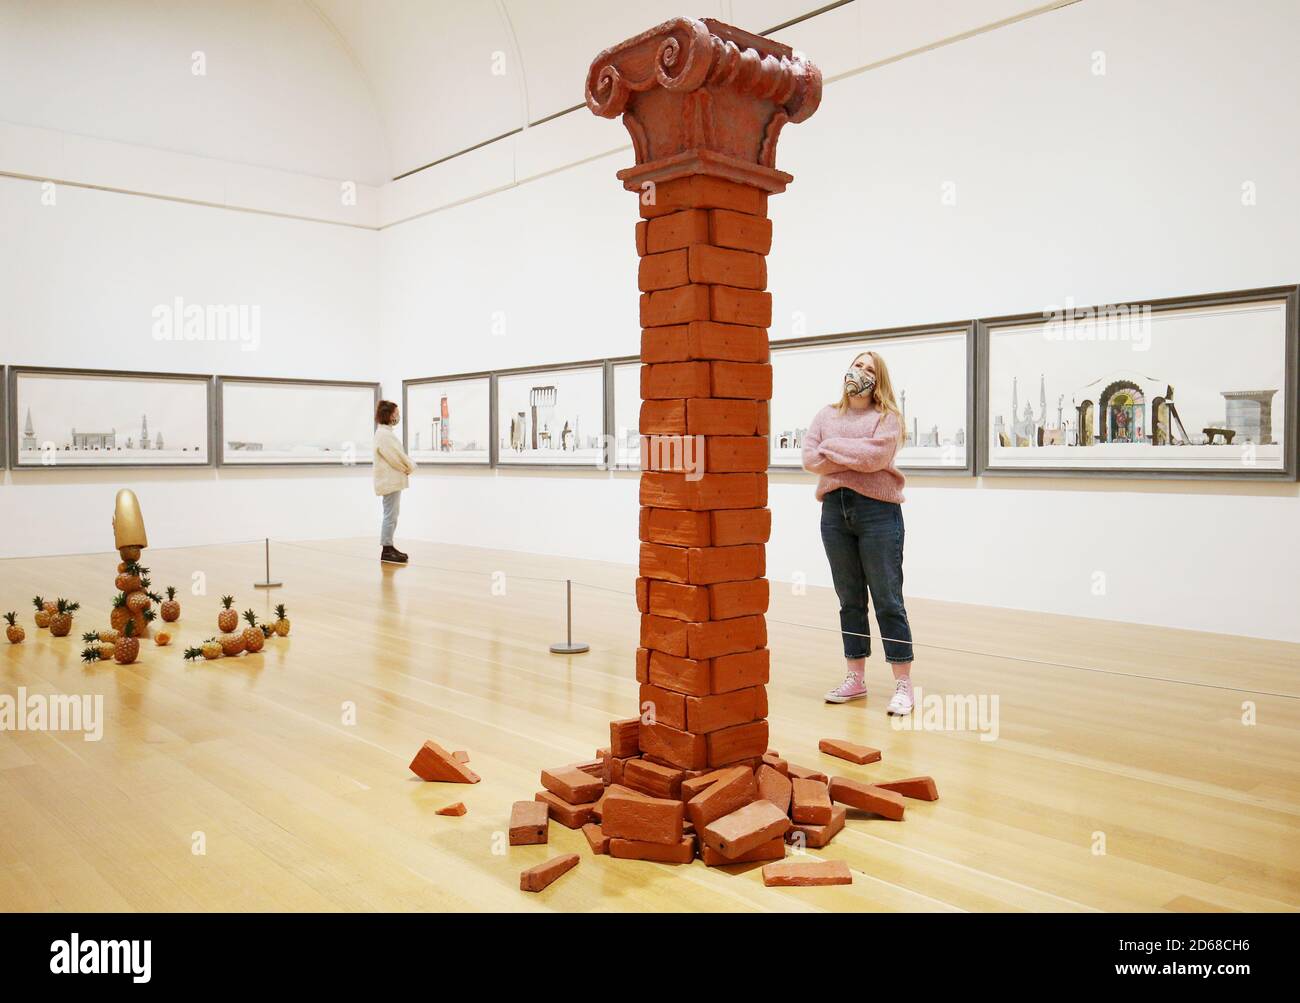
(447, 420)
(624, 409)
(104, 418)
(932, 371)
(1192, 387)
(551, 416)
(266, 422)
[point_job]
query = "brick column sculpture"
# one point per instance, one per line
(704, 103)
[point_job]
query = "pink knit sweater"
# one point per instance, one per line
(854, 450)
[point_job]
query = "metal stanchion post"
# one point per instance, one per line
(268, 584)
(568, 646)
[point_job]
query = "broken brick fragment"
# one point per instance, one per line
(596, 839)
(860, 754)
(806, 773)
(536, 878)
(773, 849)
(867, 797)
(681, 852)
(571, 816)
(623, 737)
(791, 874)
(734, 788)
(572, 785)
(433, 764)
(745, 828)
(652, 779)
(529, 823)
(917, 788)
(810, 802)
(814, 837)
(774, 786)
(456, 809)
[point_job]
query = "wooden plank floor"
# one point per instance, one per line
(1140, 747)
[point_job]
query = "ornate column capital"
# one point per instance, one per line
(703, 97)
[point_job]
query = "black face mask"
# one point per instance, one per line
(857, 383)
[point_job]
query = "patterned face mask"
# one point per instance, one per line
(857, 383)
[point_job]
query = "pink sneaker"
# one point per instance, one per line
(853, 688)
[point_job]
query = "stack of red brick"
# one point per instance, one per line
(706, 380)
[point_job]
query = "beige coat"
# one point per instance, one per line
(392, 466)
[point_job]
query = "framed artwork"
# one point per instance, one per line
(624, 407)
(551, 416)
(931, 369)
(101, 418)
(1202, 386)
(447, 420)
(274, 422)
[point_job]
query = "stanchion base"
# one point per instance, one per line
(569, 648)
(267, 585)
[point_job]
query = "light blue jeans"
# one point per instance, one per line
(392, 505)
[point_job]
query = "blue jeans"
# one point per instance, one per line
(863, 538)
(392, 505)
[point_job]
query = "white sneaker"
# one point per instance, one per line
(901, 703)
(854, 687)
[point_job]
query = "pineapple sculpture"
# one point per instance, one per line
(170, 608)
(254, 637)
(104, 647)
(127, 648)
(133, 604)
(44, 611)
(61, 621)
(281, 625)
(14, 631)
(228, 618)
(211, 649)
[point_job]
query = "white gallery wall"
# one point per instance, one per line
(1103, 188)
(1106, 186)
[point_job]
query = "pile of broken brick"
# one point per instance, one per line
(632, 807)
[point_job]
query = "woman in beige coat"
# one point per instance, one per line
(392, 476)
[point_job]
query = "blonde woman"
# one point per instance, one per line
(392, 476)
(851, 446)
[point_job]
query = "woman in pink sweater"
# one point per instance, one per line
(851, 445)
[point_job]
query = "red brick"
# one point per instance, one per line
(530, 822)
(596, 838)
(715, 638)
(810, 802)
(730, 745)
(702, 191)
(814, 837)
(701, 493)
(682, 852)
(433, 763)
(654, 780)
(666, 271)
(719, 342)
(742, 598)
(764, 417)
(641, 227)
(773, 849)
(733, 788)
(701, 781)
(725, 266)
(729, 306)
(456, 809)
(675, 527)
(673, 453)
(711, 565)
(687, 303)
(572, 785)
(661, 562)
(729, 454)
(775, 761)
(805, 773)
(629, 815)
(786, 874)
(745, 828)
(536, 878)
(615, 765)
(680, 748)
(666, 417)
(710, 416)
(743, 380)
(774, 786)
(917, 788)
(731, 527)
(860, 754)
(643, 594)
(666, 344)
(740, 230)
(623, 737)
(723, 710)
(865, 797)
(684, 675)
(571, 816)
(642, 665)
(735, 672)
(673, 380)
(678, 229)
(662, 633)
(665, 706)
(682, 602)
